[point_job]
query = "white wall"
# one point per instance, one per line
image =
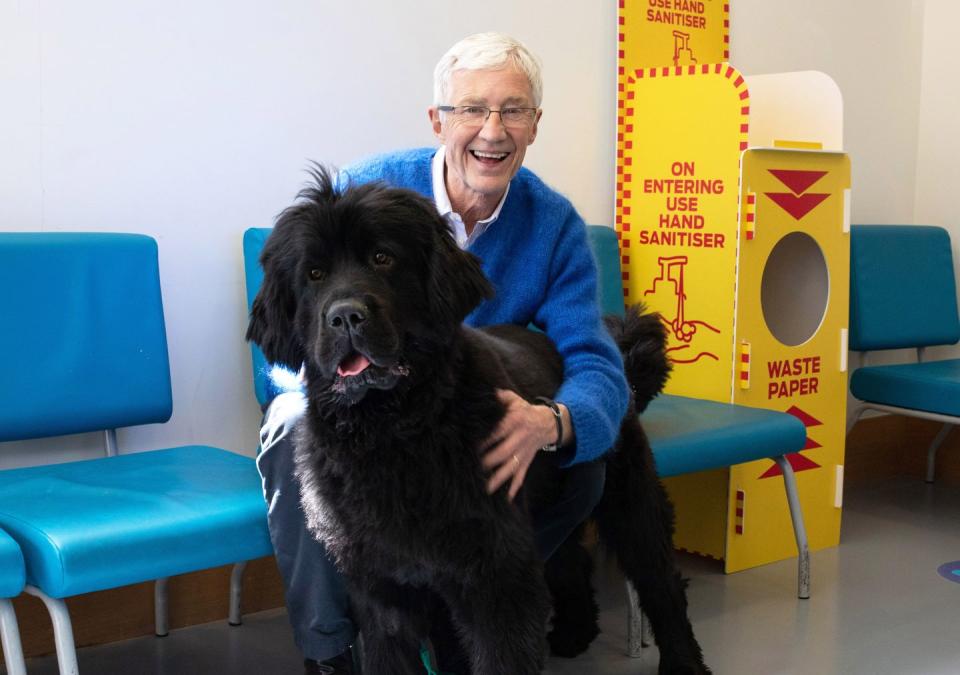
(938, 148)
(871, 48)
(938, 168)
(192, 121)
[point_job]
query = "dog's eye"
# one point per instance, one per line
(316, 275)
(382, 259)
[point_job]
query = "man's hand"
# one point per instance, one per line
(509, 450)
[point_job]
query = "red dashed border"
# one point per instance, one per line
(745, 365)
(750, 215)
(726, 31)
(740, 502)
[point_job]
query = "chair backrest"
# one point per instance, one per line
(606, 251)
(253, 240)
(902, 287)
(603, 241)
(83, 333)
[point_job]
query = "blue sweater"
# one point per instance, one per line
(537, 256)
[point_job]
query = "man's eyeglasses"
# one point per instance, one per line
(476, 115)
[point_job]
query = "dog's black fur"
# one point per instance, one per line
(388, 458)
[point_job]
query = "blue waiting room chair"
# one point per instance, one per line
(83, 329)
(687, 435)
(903, 295)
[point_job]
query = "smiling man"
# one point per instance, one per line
(534, 249)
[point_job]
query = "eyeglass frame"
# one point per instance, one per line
(524, 122)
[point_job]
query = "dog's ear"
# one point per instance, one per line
(272, 317)
(457, 282)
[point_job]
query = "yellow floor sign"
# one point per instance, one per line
(791, 328)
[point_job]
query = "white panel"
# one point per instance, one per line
(846, 211)
(844, 349)
(802, 106)
(838, 487)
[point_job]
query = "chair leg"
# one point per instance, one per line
(639, 630)
(62, 631)
(854, 410)
(10, 636)
(161, 612)
(799, 531)
(635, 643)
(236, 588)
(932, 450)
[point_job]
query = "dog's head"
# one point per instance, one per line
(359, 284)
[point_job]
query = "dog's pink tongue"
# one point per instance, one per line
(356, 363)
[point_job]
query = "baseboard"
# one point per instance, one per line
(124, 613)
(894, 445)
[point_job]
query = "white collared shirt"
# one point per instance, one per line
(444, 208)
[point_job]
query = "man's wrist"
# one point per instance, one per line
(557, 415)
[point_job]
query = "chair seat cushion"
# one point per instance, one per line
(933, 386)
(102, 523)
(11, 567)
(689, 435)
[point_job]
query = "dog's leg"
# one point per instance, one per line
(452, 658)
(502, 620)
(391, 632)
(568, 573)
(635, 521)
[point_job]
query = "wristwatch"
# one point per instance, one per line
(558, 418)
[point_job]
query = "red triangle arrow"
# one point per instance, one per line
(805, 417)
(797, 181)
(797, 461)
(796, 206)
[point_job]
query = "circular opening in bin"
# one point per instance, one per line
(795, 289)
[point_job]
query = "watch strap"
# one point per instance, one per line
(558, 418)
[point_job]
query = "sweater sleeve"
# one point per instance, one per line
(594, 387)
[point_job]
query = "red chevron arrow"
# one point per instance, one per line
(805, 417)
(797, 181)
(796, 206)
(797, 461)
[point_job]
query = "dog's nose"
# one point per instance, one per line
(346, 314)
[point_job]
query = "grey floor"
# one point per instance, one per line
(878, 607)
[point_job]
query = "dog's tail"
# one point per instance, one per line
(635, 517)
(642, 339)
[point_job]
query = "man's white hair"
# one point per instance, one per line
(486, 51)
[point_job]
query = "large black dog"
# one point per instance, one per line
(366, 289)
